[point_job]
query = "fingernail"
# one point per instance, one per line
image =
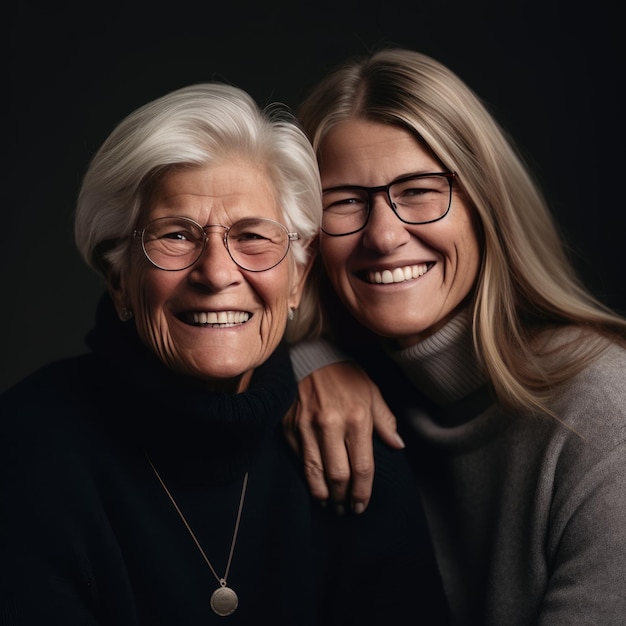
(400, 440)
(340, 509)
(359, 507)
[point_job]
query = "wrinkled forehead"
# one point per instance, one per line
(228, 190)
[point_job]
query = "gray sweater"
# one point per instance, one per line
(528, 515)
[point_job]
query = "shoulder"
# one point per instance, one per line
(597, 394)
(591, 439)
(40, 404)
(591, 396)
(47, 433)
(54, 378)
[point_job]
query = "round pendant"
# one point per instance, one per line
(224, 601)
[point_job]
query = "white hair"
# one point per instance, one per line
(195, 126)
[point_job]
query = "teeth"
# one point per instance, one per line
(398, 275)
(221, 318)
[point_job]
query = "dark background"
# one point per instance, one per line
(548, 71)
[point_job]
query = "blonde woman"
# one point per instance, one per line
(446, 280)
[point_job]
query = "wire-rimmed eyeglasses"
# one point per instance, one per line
(416, 199)
(255, 244)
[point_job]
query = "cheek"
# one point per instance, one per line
(150, 291)
(467, 252)
(471, 239)
(457, 236)
(335, 253)
(270, 289)
(472, 251)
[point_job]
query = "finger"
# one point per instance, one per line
(336, 460)
(312, 462)
(301, 438)
(361, 453)
(385, 422)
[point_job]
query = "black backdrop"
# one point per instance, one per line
(548, 71)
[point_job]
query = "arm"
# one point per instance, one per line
(331, 425)
(586, 542)
(586, 545)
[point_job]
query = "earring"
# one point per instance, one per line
(126, 314)
(291, 313)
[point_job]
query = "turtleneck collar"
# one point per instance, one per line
(444, 367)
(194, 432)
(458, 402)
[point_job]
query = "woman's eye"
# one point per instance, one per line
(249, 236)
(348, 201)
(179, 235)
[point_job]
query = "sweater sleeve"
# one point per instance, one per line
(308, 356)
(586, 543)
(587, 547)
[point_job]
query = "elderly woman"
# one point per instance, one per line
(450, 285)
(148, 481)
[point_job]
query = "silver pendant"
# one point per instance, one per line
(224, 601)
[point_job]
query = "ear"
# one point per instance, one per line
(300, 275)
(116, 287)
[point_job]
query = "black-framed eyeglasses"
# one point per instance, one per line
(255, 244)
(417, 199)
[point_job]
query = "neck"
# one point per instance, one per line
(234, 385)
(188, 429)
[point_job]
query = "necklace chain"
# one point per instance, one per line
(222, 581)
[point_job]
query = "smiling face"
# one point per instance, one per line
(427, 270)
(213, 321)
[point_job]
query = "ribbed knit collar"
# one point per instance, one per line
(444, 367)
(456, 411)
(200, 434)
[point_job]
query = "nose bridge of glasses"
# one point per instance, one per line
(210, 227)
(206, 251)
(202, 245)
(381, 189)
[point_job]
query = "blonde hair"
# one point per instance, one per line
(195, 126)
(526, 283)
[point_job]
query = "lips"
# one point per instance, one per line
(220, 319)
(398, 274)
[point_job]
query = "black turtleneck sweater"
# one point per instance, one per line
(88, 535)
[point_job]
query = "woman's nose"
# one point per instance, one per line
(215, 265)
(384, 232)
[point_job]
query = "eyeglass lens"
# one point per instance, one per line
(415, 200)
(255, 244)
